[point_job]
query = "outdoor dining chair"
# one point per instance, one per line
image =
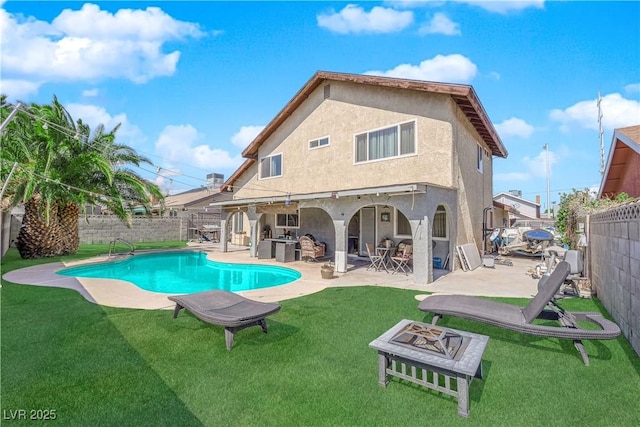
(374, 257)
(401, 260)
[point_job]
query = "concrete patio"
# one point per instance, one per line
(501, 281)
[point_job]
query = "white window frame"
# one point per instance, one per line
(399, 146)
(288, 220)
(480, 156)
(395, 225)
(446, 223)
(262, 159)
(319, 142)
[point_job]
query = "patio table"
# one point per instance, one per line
(385, 256)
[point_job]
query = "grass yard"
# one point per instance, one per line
(105, 366)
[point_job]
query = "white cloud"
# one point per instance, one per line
(245, 135)
(506, 6)
(537, 166)
(16, 89)
(450, 68)
(534, 167)
(440, 24)
(354, 19)
(617, 112)
(632, 88)
(179, 144)
(90, 44)
(514, 127)
(94, 115)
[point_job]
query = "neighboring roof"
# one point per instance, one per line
(190, 197)
(511, 196)
(625, 142)
(463, 95)
(509, 208)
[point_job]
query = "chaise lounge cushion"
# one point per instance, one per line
(521, 319)
(227, 309)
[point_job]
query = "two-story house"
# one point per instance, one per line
(353, 159)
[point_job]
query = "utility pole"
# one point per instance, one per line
(601, 133)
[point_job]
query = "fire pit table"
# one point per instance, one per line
(442, 359)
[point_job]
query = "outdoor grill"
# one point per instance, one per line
(439, 341)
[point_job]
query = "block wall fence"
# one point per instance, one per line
(104, 229)
(614, 266)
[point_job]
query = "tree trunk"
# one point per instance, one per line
(70, 237)
(36, 238)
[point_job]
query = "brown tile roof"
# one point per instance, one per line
(463, 95)
(632, 132)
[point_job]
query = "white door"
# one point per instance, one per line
(367, 228)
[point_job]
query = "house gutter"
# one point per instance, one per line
(393, 190)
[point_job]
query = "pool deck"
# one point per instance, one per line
(501, 281)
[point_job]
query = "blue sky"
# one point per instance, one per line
(193, 82)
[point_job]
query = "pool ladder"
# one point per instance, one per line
(113, 243)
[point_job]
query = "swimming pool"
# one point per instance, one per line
(185, 273)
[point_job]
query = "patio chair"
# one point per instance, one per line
(227, 309)
(520, 319)
(375, 258)
(402, 258)
(310, 249)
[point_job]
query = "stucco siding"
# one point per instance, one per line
(352, 109)
(475, 188)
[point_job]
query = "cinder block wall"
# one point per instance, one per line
(614, 245)
(104, 229)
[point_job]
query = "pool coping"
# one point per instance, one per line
(502, 281)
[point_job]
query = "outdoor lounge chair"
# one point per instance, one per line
(310, 249)
(520, 319)
(227, 309)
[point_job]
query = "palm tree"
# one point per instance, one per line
(64, 168)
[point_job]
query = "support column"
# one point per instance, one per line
(422, 251)
(254, 218)
(253, 246)
(341, 245)
(223, 233)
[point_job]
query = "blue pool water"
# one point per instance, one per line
(186, 272)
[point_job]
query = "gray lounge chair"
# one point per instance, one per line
(227, 309)
(520, 319)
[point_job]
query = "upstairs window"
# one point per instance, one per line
(271, 166)
(480, 155)
(317, 143)
(394, 141)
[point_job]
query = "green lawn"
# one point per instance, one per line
(104, 366)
